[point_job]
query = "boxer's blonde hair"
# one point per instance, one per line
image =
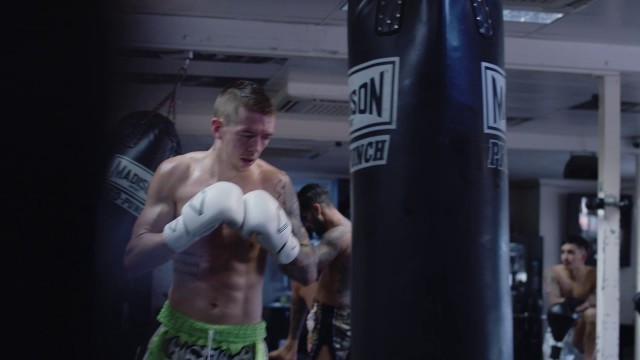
(241, 94)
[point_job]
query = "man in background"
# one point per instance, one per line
(573, 283)
(301, 301)
(329, 318)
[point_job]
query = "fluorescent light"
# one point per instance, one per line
(537, 17)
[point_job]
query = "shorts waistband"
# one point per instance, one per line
(242, 333)
(320, 304)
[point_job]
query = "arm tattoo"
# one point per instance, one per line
(285, 193)
(287, 196)
(332, 244)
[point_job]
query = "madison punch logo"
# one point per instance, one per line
(493, 98)
(494, 114)
(369, 151)
(128, 182)
(373, 95)
(373, 100)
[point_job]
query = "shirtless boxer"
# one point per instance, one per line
(217, 214)
(329, 320)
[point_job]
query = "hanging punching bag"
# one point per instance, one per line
(429, 182)
(141, 141)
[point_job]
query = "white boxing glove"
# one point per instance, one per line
(264, 216)
(213, 205)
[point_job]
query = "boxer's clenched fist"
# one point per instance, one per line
(219, 203)
(264, 216)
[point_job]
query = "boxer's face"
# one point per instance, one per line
(248, 137)
(312, 220)
(571, 255)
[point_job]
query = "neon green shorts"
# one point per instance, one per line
(180, 337)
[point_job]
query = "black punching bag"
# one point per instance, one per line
(141, 141)
(429, 182)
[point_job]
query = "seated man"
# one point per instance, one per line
(573, 283)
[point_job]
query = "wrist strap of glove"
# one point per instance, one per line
(176, 236)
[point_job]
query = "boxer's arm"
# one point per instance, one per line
(333, 243)
(299, 311)
(146, 248)
(289, 350)
(297, 318)
(304, 267)
(552, 287)
(273, 215)
(589, 302)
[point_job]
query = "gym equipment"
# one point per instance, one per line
(140, 141)
(428, 180)
(561, 319)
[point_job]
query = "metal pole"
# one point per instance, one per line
(608, 252)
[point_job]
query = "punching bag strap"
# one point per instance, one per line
(171, 96)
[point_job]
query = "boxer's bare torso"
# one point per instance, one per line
(580, 285)
(219, 278)
(334, 285)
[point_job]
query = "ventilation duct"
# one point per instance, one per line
(630, 107)
(297, 149)
(321, 107)
(323, 94)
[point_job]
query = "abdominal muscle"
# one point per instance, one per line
(219, 279)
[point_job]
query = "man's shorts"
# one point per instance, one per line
(330, 326)
(180, 337)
